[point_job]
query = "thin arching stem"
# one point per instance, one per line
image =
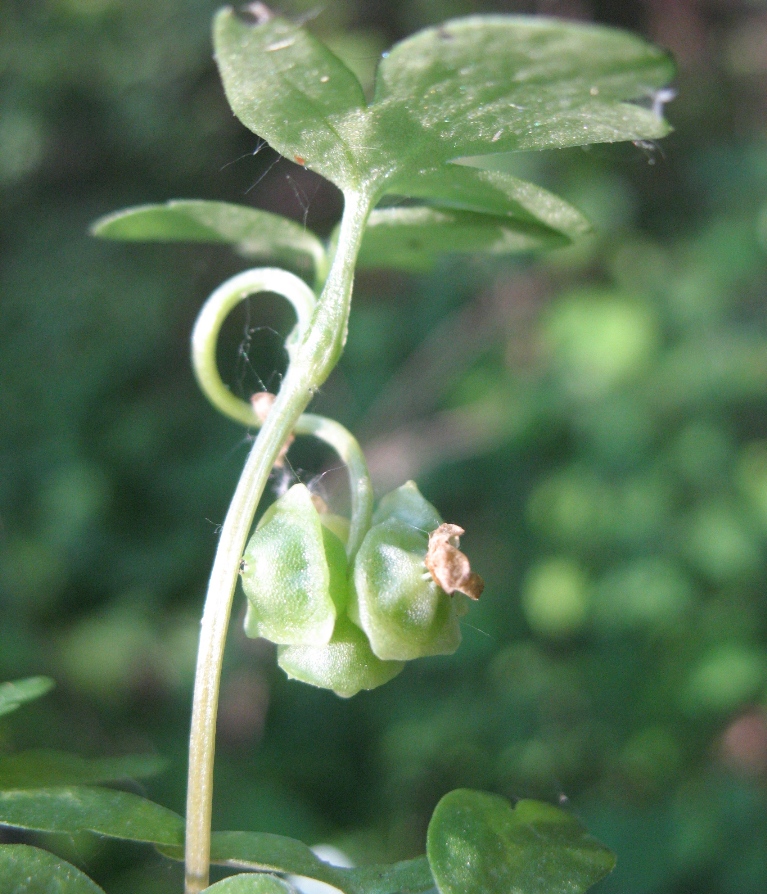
(314, 354)
(347, 447)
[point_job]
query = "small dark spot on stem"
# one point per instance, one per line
(443, 33)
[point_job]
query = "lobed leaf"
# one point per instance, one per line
(44, 769)
(478, 844)
(30, 870)
(263, 852)
(17, 692)
(487, 84)
(114, 814)
(470, 87)
(254, 233)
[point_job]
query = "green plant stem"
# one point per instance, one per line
(360, 485)
(314, 358)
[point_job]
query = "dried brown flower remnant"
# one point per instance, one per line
(449, 566)
(262, 402)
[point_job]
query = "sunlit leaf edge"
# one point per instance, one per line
(15, 693)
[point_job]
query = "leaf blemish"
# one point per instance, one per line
(280, 45)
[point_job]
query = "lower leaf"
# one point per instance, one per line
(252, 883)
(479, 844)
(80, 808)
(30, 870)
(264, 852)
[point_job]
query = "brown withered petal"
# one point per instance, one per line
(262, 402)
(448, 566)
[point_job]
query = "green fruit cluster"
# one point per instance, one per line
(350, 625)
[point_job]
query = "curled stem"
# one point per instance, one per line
(204, 339)
(314, 348)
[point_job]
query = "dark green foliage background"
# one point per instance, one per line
(596, 420)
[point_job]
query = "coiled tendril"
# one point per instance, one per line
(204, 341)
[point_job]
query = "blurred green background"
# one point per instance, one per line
(596, 419)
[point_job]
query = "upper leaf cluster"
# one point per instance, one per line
(471, 87)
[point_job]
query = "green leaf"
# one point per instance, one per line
(252, 883)
(254, 233)
(264, 852)
(473, 86)
(83, 809)
(29, 870)
(290, 89)
(14, 694)
(407, 877)
(44, 769)
(478, 844)
(496, 193)
(488, 84)
(413, 238)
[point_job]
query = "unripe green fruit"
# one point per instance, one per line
(408, 505)
(346, 664)
(393, 597)
(294, 574)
